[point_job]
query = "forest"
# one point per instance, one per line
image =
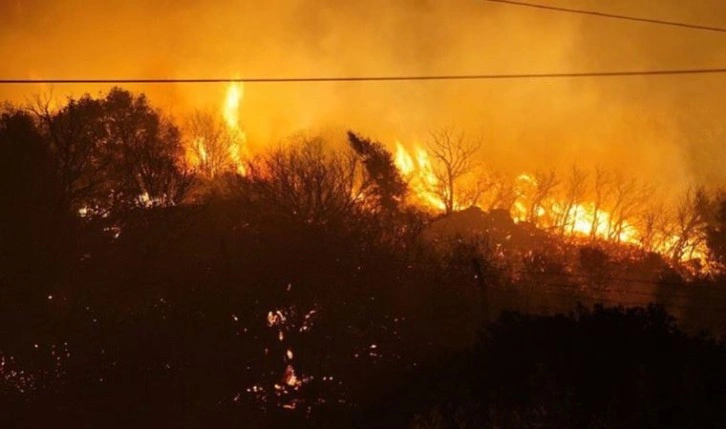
(158, 271)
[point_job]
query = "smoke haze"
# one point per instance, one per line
(668, 128)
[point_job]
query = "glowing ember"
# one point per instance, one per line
(275, 318)
(290, 377)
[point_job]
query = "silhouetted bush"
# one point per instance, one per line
(307, 293)
(604, 368)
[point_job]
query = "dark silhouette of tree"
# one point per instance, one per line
(629, 197)
(545, 184)
(211, 142)
(27, 165)
(602, 192)
(199, 314)
(575, 190)
(716, 234)
(690, 223)
(306, 182)
(76, 134)
(144, 153)
(388, 187)
(29, 188)
(504, 192)
(653, 226)
(115, 152)
(453, 158)
(38, 236)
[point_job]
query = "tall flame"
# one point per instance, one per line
(575, 219)
(232, 103)
(419, 173)
(230, 112)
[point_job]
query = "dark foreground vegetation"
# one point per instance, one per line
(135, 292)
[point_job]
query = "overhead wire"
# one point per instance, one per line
(383, 78)
(610, 15)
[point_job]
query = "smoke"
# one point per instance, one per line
(667, 129)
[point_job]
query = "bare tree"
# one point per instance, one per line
(453, 158)
(211, 144)
(653, 227)
(602, 191)
(575, 190)
(76, 134)
(145, 152)
(112, 152)
(628, 199)
(28, 182)
(716, 231)
(545, 184)
(690, 223)
(472, 191)
(306, 182)
(503, 192)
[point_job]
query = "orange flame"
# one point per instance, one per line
(204, 155)
(579, 219)
(230, 112)
(419, 173)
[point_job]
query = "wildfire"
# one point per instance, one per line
(576, 219)
(546, 210)
(231, 105)
(219, 144)
(233, 100)
(419, 173)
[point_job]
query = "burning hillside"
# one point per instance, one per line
(597, 205)
(399, 214)
(444, 175)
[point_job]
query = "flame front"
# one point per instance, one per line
(418, 171)
(218, 143)
(577, 219)
(231, 105)
(581, 218)
(233, 100)
(574, 219)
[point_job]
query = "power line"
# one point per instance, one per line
(611, 15)
(621, 73)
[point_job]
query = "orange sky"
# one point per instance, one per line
(665, 127)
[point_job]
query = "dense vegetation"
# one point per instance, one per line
(137, 292)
